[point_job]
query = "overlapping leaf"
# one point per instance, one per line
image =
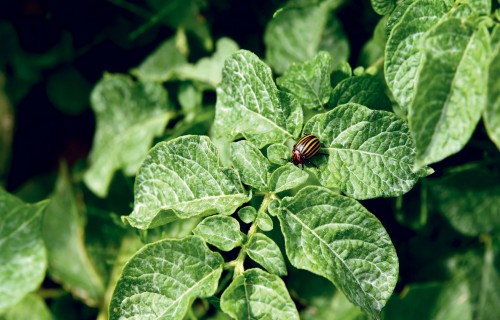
(383, 6)
(220, 231)
(309, 81)
(491, 114)
(257, 294)
(31, 307)
(163, 278)
(335, 237)
(370, 152)
(129, 115)
(287, 177)
(250, 163)
(24, 259)
(450, 93)
(182, 178)
(249, 104)
(266, 252)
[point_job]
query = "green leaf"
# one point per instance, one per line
(278, 153)
(335, 237)
(450, 91)
(249, 104)
(370, 152)
(298, 33)
(491, 116)
(309, 81)
(163, 278)
(365, 90)
(190, 99)
(209, 70)
(220, 231)
(31, 307)
(482, 7)
(264, 222)
(256, 294)
(63, 233)
(161, 65)
(247, 214)
(69, 91)
(431, 301)
(383, 7)
(24, 259)
(287, 177)
(129, 115)
(182, 178)
(250, 163)
(266, 252)
(470, 200)
(408, 24)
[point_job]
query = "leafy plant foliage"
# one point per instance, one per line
(192, 150)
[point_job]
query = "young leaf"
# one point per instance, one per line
(63, 233)
(247, 214)
(266, 252)
(335, 237)
(24, 259)
(209, 70)
(383, 7)
(450, 91)
(163, 278)
(287, 177)
(470, 200)
(129, 115)
(365, 90)
(370, 152)
(161, 65)
(256, 294)
(250, 163)
(297, 33)
(220, 231)
(309, 81)
(278, 153)
(265, 222)
(408, 24)
(182, 178)
(249, 104)
(491, 116)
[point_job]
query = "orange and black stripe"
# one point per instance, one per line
(307, 146)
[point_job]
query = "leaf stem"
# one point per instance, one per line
(238, 262)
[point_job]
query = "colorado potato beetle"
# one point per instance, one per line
(304, 149)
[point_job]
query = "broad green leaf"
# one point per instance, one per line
(182, 178)
(161, 65)
(482, 7)
(298, 33)
(470, 200)
(370, 152)
(247, 214)
(249, 104)
(264, 222)
(309, 81)
(278, 153)
(408, 24)
(209, 70)
(250, 163)
(450, 92)
(448, 301)
(266, 252)
(337, 238)
(63, 233)
(31, 307)
(129, 115)
(23, 258)
(365, 90)
(383, 7)
(287, 177)
(256, 294)
(220, 231)
(491, 116)
(163, 278)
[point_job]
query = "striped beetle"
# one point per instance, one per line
(304, 149)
